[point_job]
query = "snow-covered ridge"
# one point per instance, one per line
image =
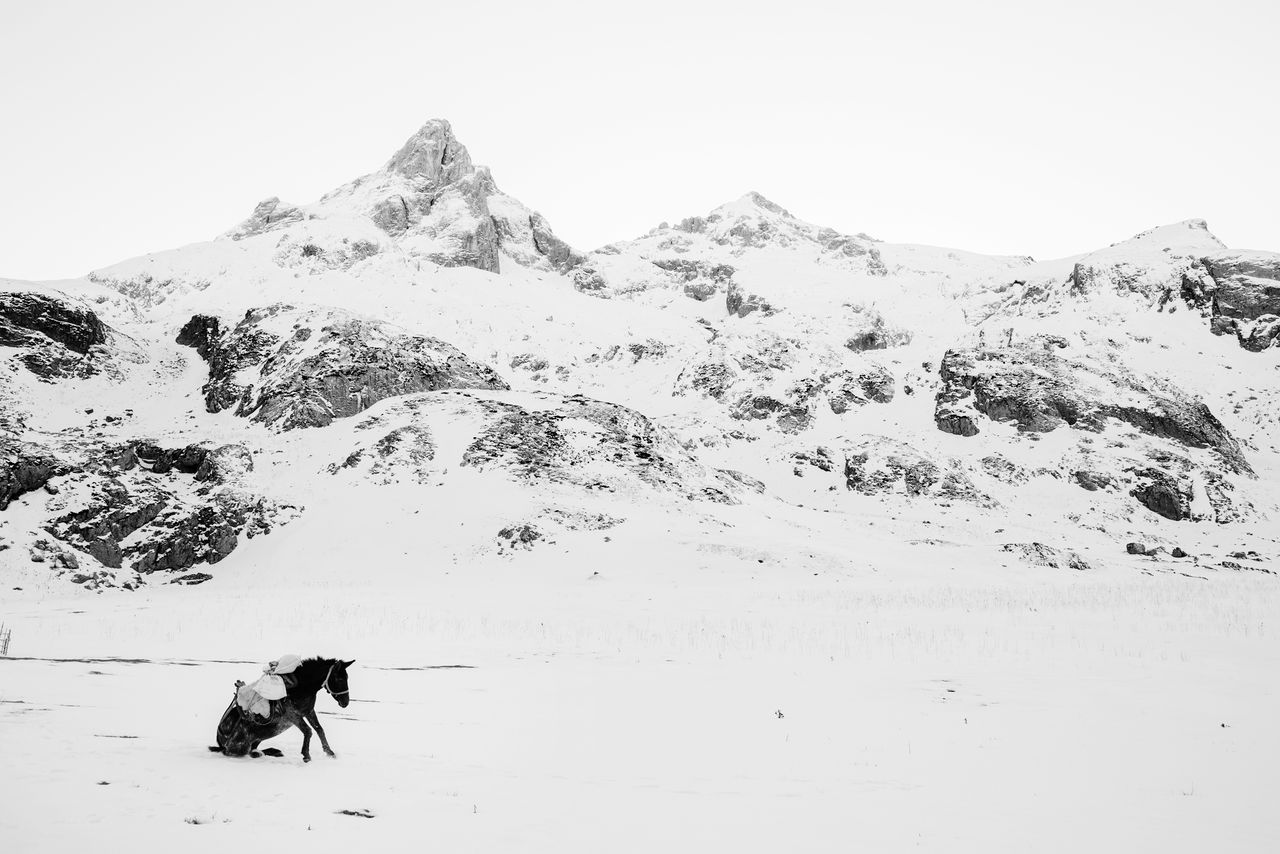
(437, 336)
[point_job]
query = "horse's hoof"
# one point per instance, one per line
(255, 754)
(332, 755)
(306, 758)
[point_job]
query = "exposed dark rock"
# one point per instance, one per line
(651, 349)
(521, 536)
(1041, 390)
(1240, 291)
(876, 334)
(318, 365)
(791, 417)
(700, 280)
(1003, 470)
(1178, 552)
(949, 420)
(23, 315)
(1163, 494)
(741, 303)
(55, 335)
(192, 578)
(559, 253)
(846, 389)
(24, 468)
(1247, 283)
(819, 458)
(1135, 548)
(1040, 554)
(267, 215)
(1093, 480)
(1220, 325)
(201, 332)
(1261, 334)
(115, 513)
(877, 384)
(589, 280)
(622, 447)
(876, 465)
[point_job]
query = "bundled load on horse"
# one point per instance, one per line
(283, 697)
(272, 685)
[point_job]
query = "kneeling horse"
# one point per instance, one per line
(240, 731)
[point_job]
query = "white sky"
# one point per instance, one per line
(1017, 127)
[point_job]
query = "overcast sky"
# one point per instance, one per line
(1007, 127)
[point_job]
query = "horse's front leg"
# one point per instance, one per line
(324, 742)
(306, 737)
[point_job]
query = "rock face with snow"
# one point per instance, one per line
(54, 337)
(1038, 389)
(576, 441)
(292, 367)
(431, 202)
(1240, 292)
(442, 345)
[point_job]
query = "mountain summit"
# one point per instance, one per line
(432, 155)
(429, 201)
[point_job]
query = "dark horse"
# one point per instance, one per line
(240, 732)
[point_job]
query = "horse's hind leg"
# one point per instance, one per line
(324, 742)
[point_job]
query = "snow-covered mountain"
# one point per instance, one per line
(418, 328)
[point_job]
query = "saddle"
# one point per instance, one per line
(262, 697)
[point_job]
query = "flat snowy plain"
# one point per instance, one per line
(649, 693)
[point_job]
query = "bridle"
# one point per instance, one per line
(327, 677)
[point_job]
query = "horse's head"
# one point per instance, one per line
(336, 683)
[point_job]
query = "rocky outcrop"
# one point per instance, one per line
(698, 279)
(1240, 293)
(431, 157)
(874, 333)
(1246, 284)
(741, 303)
(1262, 334)
(849, 388)
(1164, 494)
(55, 337)
(24, 468)
(712, 379)
(430, 200)
(1041, 390)
(267, 215)
(1039, 554)
(876, 465)
(791, 417)
(315, 365)
(149, 508)
(571, 441)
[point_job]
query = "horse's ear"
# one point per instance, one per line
(348, 663)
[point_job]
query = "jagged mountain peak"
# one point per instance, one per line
(430, 200)
(433, 155)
